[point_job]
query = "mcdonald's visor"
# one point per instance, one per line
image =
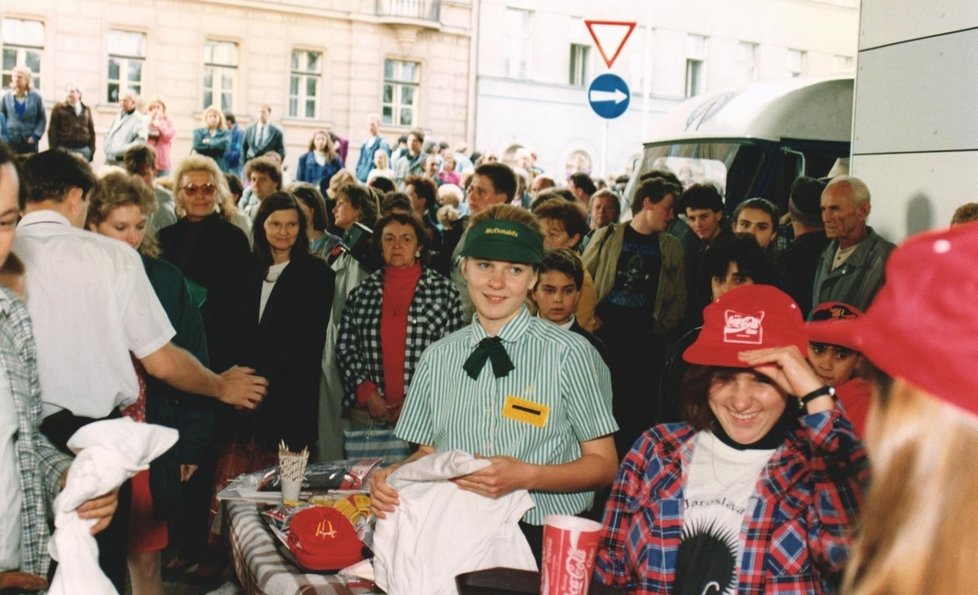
(322, 538)
(502, 239)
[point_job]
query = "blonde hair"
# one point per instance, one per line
(222, 199)
(24, 70)
(159, 101)
(920, 520)
(508, 213)
(342, 178)
(222, 124)
(121, 189)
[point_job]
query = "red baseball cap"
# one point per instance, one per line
(748, 317)
(322, 538)
(920, 326)
(829, 321)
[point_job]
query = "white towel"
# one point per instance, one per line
(439, 530)
(108, 453)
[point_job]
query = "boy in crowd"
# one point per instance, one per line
(835, 359)
(558, 292)
(703, 205)
(758, 217)
(564, 224)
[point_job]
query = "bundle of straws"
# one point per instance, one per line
(292, 465)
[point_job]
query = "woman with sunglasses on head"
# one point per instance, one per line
(210, 251)
(759, 488)
(214, 256)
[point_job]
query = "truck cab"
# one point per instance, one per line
(755, 141)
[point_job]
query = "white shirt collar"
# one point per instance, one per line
(43, 216)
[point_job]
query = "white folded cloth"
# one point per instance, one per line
(439, 530)
(107, 454)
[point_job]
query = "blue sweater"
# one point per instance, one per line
(30, 124)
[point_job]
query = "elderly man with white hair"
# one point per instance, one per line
(128, 129)
(850, 269)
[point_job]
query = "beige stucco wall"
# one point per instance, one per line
(353, 39)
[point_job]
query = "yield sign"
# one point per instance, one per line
(614, 35)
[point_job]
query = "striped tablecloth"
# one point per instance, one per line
(260, 566)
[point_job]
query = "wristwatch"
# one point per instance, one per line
(818, 392)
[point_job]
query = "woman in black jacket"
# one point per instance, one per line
(214, 256)
(284, 313)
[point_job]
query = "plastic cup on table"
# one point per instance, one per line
(290, 491)
(569, 546)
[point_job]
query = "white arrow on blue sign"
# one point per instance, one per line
(608, 95)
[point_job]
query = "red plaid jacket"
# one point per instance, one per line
(797, 533)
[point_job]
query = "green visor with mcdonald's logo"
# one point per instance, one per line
(502, 239)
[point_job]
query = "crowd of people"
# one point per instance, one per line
(700, 378)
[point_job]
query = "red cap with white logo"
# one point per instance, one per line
(748, 317)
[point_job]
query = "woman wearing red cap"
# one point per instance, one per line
(918, 529)
(758, 489)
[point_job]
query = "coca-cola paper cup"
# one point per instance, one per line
(569, 546)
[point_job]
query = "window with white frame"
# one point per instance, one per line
(127, 53)
(580, 64)
(518, 43)
(220, 74)
(746, 63)
(23, 45)
(695, 64)
(796, 63)
(402, 83)
(305, 83)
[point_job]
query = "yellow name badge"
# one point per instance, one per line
(525, 411)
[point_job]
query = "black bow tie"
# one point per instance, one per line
(490, 348)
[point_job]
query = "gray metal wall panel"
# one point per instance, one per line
(918, 96)
(883, 22)
(916, 192)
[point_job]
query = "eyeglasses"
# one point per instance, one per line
(195, 190)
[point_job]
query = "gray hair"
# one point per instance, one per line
(858, 190)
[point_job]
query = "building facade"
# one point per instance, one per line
(316, 63)
(536, 59)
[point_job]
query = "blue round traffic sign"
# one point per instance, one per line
(608, 95)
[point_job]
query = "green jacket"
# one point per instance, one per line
(601, 260)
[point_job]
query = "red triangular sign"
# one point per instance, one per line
(614, 34)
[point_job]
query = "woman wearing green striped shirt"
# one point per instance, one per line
(531, 397)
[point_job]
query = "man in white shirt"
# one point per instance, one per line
(92, 306)
(32, 471)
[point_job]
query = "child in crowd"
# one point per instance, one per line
(835, 359)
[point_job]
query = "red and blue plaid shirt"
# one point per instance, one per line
(796, 535)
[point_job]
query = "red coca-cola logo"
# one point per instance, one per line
(577, 571)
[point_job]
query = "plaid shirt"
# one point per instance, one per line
(39, 464)
(435, 311)
(796, 536)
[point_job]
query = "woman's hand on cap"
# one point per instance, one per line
(786, 366)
